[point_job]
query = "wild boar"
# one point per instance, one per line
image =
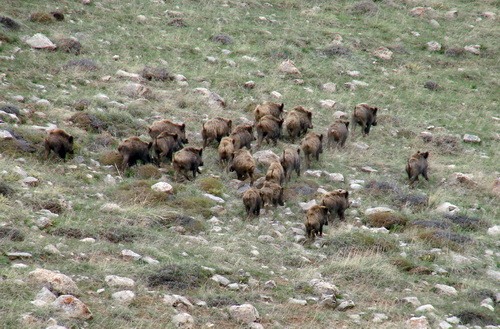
(275, 173)
(312, 144)
(417, 165)
(165, 125)
(290, 160)
(297, 122)
(272, 194)
(189, 159)
(268, 128)
(252, 201)
(226, 150)
(243, 136)
(243, 164)
(337, 133)
(215, 129)
(336, 202)
(164, 145)
(316, 218)
(268, 108)
(133, 149)
(365, 116)
(60, 142)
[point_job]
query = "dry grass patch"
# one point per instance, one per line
(139, 192)
(387, 220)
(211, 185)
(190, 224)
(179, 277)
(346, 243)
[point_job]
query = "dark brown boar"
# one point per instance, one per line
(316, 218)
(365, 116)
(226, 150)
(272, 194)
(133, 149)
(268, 128)
(189, 159)
(417, 165)
(164, 145)
(275, 173)
(312, 144)
(243, 164)
(290, 160)
(337, 202)
(243, 136)
(252, 201)
(268, 108)
(60, 142)
(297, 122)
(215, 129)
(337, 133)
(166, 125)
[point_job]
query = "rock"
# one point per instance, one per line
(72, 307)
(329, 301)
(451, 14)
(329, 87)
(368, 169)
(323, 287)
(340, 115)
(214, 198)
(327, 103)
(88, 240)
(56, 282)
(135, 90)
(346, 305)
(177, 301)
(118, 281)
(18, 255)
(162, 187)
(471, 139)
(249, 84)
(419, 11)
(453, 320)
(489, 15)
(431, 85)
(183, 321)
(4, 134)
(130, 255)
(124, 297)
(124, 74)
(361, 146)
(56, 326)
(51, 249)
(276, 95)
(410, 300)
(111, 208)
(418, 323)
(212, 98)
(425, 308)
(495, 275)
(447, 208)
(265, 238)
(444, 325)
(211, 59)
(464, 178)
(445, 290)
(255, 325)
(494, 230)
(150, 260)
(296, 301)
(40, 41)
(435, 24)
(473, 49)
(265, 157)
(44, 297)
(379, 317)
(433, 46)
(288, 67)
(307, 205)
(223, 281)
(245, 313)
(335, 177)
(383, 53)
(30, 181)
(377, 210)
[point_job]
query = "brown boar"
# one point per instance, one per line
(417, 165)
(275, 173)
(165, 125)
(268, 108)
(243, 164)
(60, 142)
(312, 144)
(226, 150)
(290, 160)
(365, 116)
(297, 122)
(215, 129)
(268, 128)
(272, 194)
(164, 145)
(252, 201)
(133, 149)
(316, 218)
(243, 136)
(189, 159)
(337, 133)
(336, 202)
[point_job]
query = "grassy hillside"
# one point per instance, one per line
(98, 95)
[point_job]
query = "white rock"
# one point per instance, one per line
(43, 222)
(355, 186)
(368, 169)
(471, 139)
(489, 15)
(220, 280)
(255, 325)
(447, 208)
(346, 305)
(213, 99)
(494, 230)
(57, 282)
(183, 321)
(88, 240)
(446, 290)
(150, 260)
(313, 173)
(4, 134)
(453, 320)
(425, 308)
(19, 265)
(329, 87)
(211, 59)
(51, 249)
(245, 313)
(124, 74)
(276, 95)
(124, 297)
(493, 274)
(340, 115)
(265, 157)
(327, 103)
(361, 145)
(433, 46)
(323, 287)
(377, 210)
(177, 301)
(288, 67)
(418, 323)
(162, 187)
(40, 41)
(72, 307)
(109, 180)
(118, 281)
(473, 49)
(214, 198)
(335, 177)
(296, 301)
(44, 297)
(30, 181)
(129, 254)
(383, 53)
(111, 208)
(411, 300)
(434, 23)
(379, 317)
(307, 205)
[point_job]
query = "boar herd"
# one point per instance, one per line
(168, 141)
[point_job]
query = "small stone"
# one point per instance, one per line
(276, 95)
(183, 321)
(44, 297)
(327, 103)
(249, 84)
(214, 198)
(425, 308)
(447, 208)
(329, 87)
(378, 210)
(296, 301)
(418, 323)
(265, 238)
(419, 11)
(453, 320)
(494, 230)
(211, 59)
(346, 305)
(245, 313)
(4, 134)
(51, 249)
(30, 181)
(355, 187)
(451, 14)
(88, 240)
(111, 208)
(410, 300)
(72, 307)
(56, 282)
(368, 169)
(433, 46)
(150, 260)
(383, 53)
(473, 49)
(265, 157)
(118, 281)
(379, 317)
(361, 146)
(323, 287)
(223, 281)
(130, 255)
(446, 290)
(471, 139)
(40, 41)
(288, 67)
(335, 177)
(434, 23)
(307, 205)
(162, 187)
(124, 74)
(340, 115)
(124, 297)
(489, 15)
(177, 301)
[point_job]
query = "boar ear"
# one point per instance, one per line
(175, 136)
(375, 110)
(70, 139)
(183, 127)
(150, 144)
(426, 155)
(234, 141)
(346, 193)
(346, 124)
(321, 137)
(230, 122)
(309, 115)
(298, 150)
(282, 106)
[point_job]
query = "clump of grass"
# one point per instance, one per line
(68, 232)
(194, 205)
(9, 24)
(156, 73)
(223, 39)
(12, 234)
(179, 277)
(356, 242)
(364, 8)
(69, 45)
(140, 192)
(119, 235)
(83, 64)
(476, 318)
(413, 200)
(432, 224)
(40, 17)
(190, 224)
(111, 158)
(387, 220)
(147, 171)
(467, 222)
(220, 301)
(454, 52)
(88, 122)
(335, 50)
(381, 186)
(211, 185)
(5, 189)
(447, 144)
(444, 239)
